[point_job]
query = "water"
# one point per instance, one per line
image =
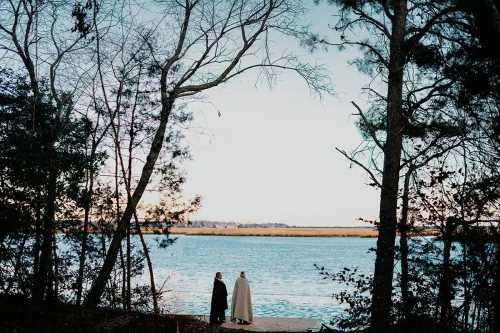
(280, 270)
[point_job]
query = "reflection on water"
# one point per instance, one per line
(280, 270)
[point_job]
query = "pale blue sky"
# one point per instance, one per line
(270, 157)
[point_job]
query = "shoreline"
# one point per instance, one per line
(332, 232)
(277, 232)
(362, 232)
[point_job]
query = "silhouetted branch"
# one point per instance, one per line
(372, 132)
(368, 171)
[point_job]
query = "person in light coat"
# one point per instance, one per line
(241, 306)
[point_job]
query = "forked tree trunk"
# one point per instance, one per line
(384, 263)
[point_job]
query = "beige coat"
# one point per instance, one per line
(241, 306)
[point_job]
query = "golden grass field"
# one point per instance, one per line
(283, 232)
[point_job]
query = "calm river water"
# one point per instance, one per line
(280, 270)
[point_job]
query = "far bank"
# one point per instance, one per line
(282, 232)
(277, 232)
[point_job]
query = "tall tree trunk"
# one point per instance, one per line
(126, 298)
(129, 184)
(466, 284)
(97, 288)
(55, 274)
(38, 236)
(124, 279)
(445, 283)
(48, 237)
(384, 263)
(129, 270)
(103, 245)
(487, 17)
(403, 244)
(86, 222)
(496, 299)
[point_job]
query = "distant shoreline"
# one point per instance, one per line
(292, 231)
(364, 232)
(278, 232)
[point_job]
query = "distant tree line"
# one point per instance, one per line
(216, 224)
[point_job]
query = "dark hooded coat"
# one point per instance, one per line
(219, 301)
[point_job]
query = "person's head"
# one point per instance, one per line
(242, 275)
(218, 275)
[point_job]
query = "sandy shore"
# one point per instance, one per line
(283, 232)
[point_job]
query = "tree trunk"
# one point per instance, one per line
(48, 237)
(86, 222)
(384, 263)
(445, 284)
(124, 279)
(56, 270)
(54, 274)
(467, 290)
(496, 299)
(487, 17)
(129, 184)
(97, 288)
(403, 244)
(129, 270)
(38, 236)
(150, 266)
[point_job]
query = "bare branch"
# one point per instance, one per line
(372, 132)
(353, 160)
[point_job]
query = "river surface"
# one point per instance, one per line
(280, 270)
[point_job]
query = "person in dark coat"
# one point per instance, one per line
(219, 301)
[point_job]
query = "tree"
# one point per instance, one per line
(21, 39)
(29, 158)
(213, 43)
(398, 36)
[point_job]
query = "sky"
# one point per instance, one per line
(270, 155)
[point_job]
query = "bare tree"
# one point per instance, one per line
(195, 46)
